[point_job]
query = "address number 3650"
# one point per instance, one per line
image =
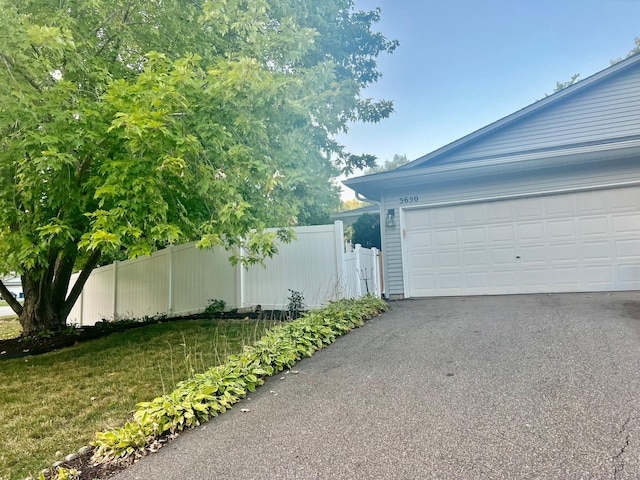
(405, 200)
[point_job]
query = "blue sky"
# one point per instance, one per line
(463, 64)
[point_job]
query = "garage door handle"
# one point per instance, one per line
(518, 257)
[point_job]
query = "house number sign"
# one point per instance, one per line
(405, 200)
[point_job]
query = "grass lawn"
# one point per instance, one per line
(9, 328)
(57, 401)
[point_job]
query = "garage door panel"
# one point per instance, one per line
(628, 248)
(592, 204)
(594, 226)
(504, 278)
(560, 206)
(503, 256)
(586, 241)
(629, 273)
(477, 280)
(627, 200)
(420, 240)
(570, 277)
(565, 253)
(599, 275)
(500, 213)
(446, 238)
(597, 250)
(502, 234)
(473, 236)
(533, 254)
(448, 259)
(529, 209)
(626, 223)
(528, 232)
(475, 258)
(450, 281)
(445, 217)
(471, 215)
(534, 277)
(562, 229)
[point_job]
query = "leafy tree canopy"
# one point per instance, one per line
(398, 161)
(128, 124)
(366, 231)
(575, 78)
(352, 204)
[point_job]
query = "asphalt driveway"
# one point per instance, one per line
(509, 387)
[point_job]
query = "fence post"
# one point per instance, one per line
(339, 248)
(115, 289)
(170, 273)
(358, 271)
(376, 271)
(240, 280)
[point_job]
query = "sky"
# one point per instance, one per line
(463, 64)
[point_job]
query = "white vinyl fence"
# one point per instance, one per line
(183, 279)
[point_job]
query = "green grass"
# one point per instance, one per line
(9, 328)
(57, 401)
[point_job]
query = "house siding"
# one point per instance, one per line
(621, 172)
(600, 113)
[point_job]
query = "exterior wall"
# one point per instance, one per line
(603, 112)
(621, 172)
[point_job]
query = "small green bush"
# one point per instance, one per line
(210, 393)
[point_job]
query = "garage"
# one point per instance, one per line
(544, 200)
(574, 242)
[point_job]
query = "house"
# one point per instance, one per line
(546, 199)
(349, 217)
(14, 285)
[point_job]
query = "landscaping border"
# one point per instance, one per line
(208, 394)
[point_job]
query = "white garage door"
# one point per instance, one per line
(587, 241)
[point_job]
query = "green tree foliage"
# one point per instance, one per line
(352, 204)
(129, 124)
(635, 50)
(366, 231)
(575, 78)
(398, 161)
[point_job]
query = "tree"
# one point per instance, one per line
(398, 161)
(366, 231)
(575, 78)
(352, 204)
(129, 124)
(635, 50)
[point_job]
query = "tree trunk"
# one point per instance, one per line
(38, 313)
(46, 301)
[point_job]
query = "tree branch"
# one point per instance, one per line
(75, 292)
(62, 275)
(10, 299)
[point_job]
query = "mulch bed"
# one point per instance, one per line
(35, 345)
